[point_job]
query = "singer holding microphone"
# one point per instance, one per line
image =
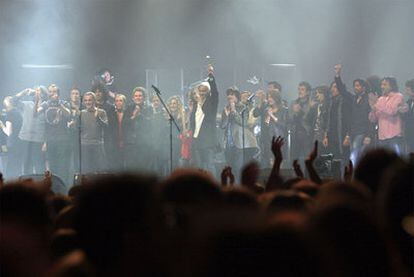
(232, 123)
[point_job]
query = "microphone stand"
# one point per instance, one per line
(171, 121)
(243, 136)
(80, 139)
(246, 107)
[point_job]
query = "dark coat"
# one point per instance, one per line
(207, 136)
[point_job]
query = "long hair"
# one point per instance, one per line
(410, 84)
(374, 85)
(363, 84)
(392, 81)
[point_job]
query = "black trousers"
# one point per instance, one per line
(58, 155)
(33, 158)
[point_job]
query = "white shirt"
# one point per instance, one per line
(199, 117)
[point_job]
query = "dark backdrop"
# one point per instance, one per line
(242, 37)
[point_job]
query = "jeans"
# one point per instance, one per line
(394, 144)
(357, 148)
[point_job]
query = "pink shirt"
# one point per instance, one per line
(387, 116)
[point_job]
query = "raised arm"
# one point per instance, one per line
(313, 175)
(338, 80)
(213, 86)
(275, 179)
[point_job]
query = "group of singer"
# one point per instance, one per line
(104, 130)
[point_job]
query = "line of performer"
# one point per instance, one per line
(104, 131)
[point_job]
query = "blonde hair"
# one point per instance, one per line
(122, 96)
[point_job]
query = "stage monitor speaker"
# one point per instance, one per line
(89, 177)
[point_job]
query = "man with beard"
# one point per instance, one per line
(386, 111)
(360, 131)
(57, 116)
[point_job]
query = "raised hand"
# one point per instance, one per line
(210, 69)
(277, 144)
(314, 176)
(338, 68)
(297, 169)
(312, 156)
(227, 176)
(349, 171)
(250, 175)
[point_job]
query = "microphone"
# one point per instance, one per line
(250, 98)
(156, 89)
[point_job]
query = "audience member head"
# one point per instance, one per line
(345, 233)
(117, 218)
(372, 165)
(395, 201)
(279, 251)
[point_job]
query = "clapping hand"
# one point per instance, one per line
(297, 169)
(227, 176)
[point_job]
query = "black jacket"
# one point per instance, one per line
(207, 136)
(357, 113)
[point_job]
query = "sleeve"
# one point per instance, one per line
(224, 120)
(391, 108)
(372, 117)
(214, 96)
(340, 85)
(17, 102)
(102, 118)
